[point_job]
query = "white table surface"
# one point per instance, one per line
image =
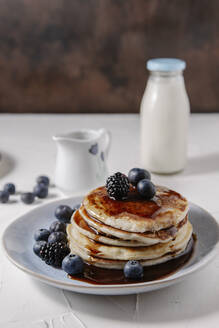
(28, 151)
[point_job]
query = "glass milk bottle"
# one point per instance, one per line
(164, 117)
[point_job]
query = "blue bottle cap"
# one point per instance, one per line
(166, 64)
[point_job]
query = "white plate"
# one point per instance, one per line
(18, 242)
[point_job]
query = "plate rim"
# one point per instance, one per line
(71, 285)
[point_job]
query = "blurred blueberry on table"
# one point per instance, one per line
(57, 226)
(10, 188)
(4, 196)
(56, 237)
(41, 234)
(136, 174)
(94, 149)
(37, 246)
(27, 197)
(133, 270)
(73, 264)
(63, 213)
(43, 179)
(41, 190)
(146, 188)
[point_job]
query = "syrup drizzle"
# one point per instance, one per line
(100, 276)
(136, 205)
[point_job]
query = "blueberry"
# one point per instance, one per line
(27, 197)
(146, 189)
(43, 179)
(56, 237)
(73, 264)
(41, 234)
(37, 246)
(4, 196)
(41, 190)
(57, 226)
(10, 188)
(133, 270)
(135, 175)
(63, 213)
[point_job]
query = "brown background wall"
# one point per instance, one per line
(89, 55)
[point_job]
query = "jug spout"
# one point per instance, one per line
(59, 138)
(80, 136)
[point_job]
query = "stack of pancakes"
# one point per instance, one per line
(107, 233)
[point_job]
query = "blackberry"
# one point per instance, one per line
(54, 253)
(117, 186)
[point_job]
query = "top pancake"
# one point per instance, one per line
(136, 214)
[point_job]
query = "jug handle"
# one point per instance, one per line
(107, 142)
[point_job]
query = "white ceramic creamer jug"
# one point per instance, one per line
(81, 160)
(164, 117)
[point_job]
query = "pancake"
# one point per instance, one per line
(146, 238)
(118, 265)
(96, 249)
(107, 233)
(81, 225)
(136, 214)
